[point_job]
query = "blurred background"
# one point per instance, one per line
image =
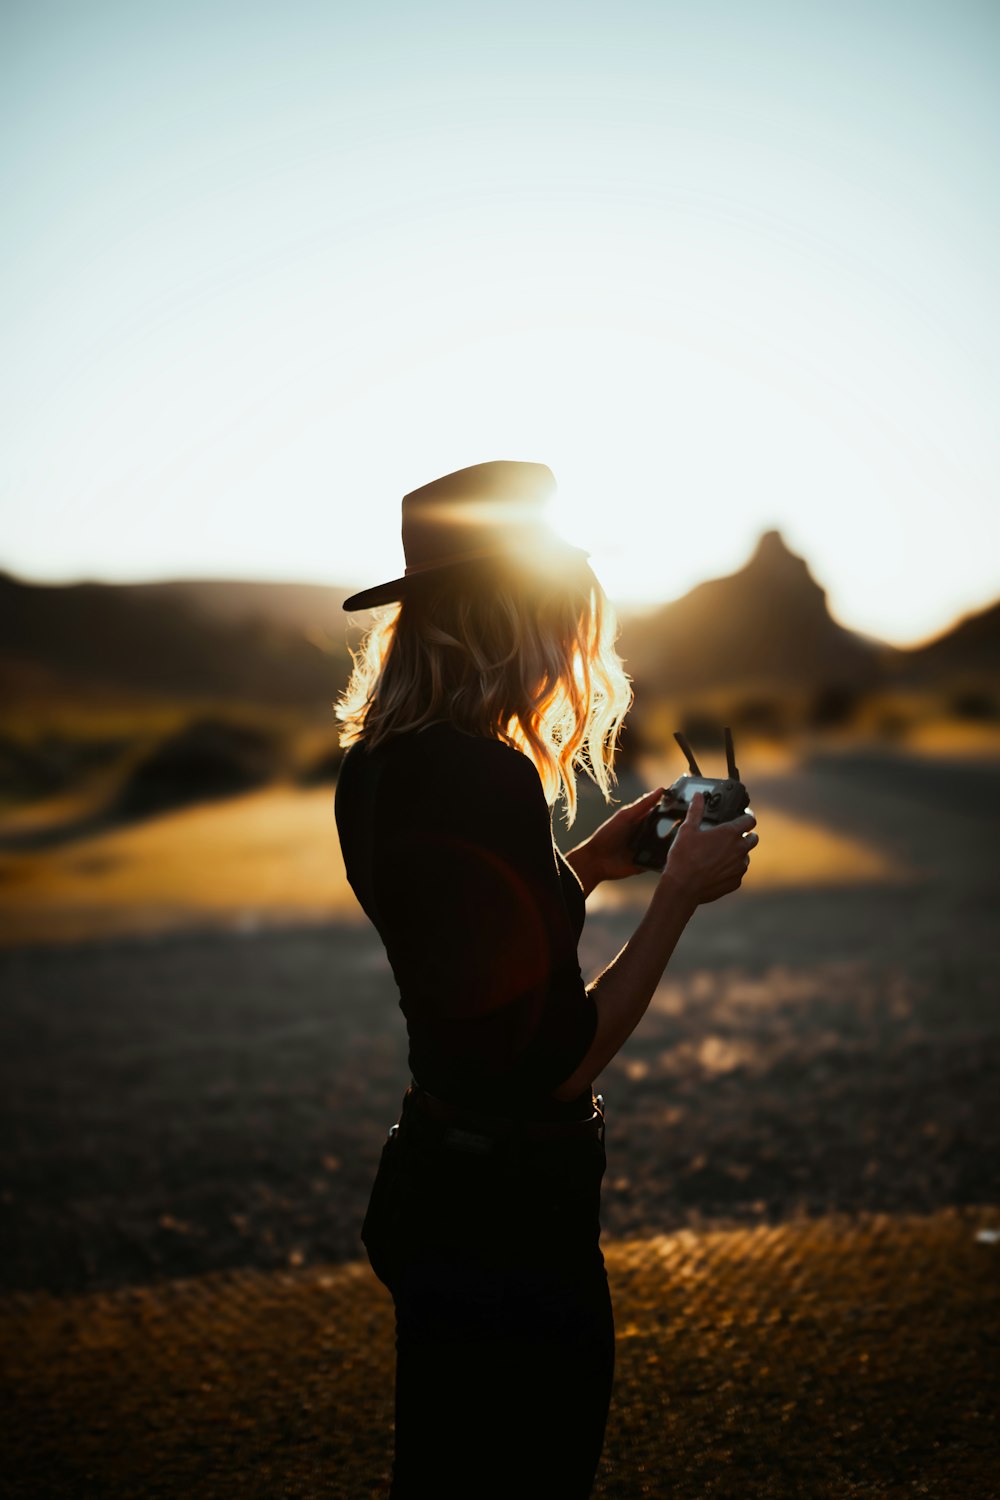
(729, 270)
(169, 749)
(731, 274)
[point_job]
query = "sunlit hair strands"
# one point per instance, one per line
(507, 653)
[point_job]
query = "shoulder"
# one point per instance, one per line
(451, 756)
(464, 784)
(438, 771)
(356, 764)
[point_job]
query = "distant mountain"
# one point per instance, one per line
(766, 626)
(970, 649)
(308, 607)
(264, 643)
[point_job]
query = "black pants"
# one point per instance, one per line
(504, 1332)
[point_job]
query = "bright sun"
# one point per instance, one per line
(671, 458)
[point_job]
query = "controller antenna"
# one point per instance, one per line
(731, 757)
(688, 753)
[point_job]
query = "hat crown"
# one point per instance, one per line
(485, 509)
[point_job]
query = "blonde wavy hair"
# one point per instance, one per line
(517, 653)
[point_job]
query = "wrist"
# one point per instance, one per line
(677, 893)
(586, 867)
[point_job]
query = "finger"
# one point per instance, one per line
(646, 801)
(696, 810)
(750, 841)
(743, 823)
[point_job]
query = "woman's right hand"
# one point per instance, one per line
(702, 865)
(709, 862)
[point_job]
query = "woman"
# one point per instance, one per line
(470, 708)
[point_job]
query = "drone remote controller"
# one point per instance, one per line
(725, 799)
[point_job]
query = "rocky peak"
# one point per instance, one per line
(774, 558)
(767, 622)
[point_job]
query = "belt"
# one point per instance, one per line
(483, 1131)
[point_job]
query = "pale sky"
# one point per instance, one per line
(723, 267)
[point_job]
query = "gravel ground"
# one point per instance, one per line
(802, 1207)
(210, 1102)
(821, 1360)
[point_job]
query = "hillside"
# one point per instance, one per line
(307, 607)
(766, 626)
(263, 643)
(970, 649)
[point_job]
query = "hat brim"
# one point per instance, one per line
(396, 589)
(382, 593)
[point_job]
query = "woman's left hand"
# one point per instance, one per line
(607, 854)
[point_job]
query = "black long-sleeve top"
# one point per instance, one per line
(447, 843)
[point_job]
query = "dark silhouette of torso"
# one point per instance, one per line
(447, 842)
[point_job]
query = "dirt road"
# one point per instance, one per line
(801, 1207)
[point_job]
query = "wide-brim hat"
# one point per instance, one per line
(487, 511)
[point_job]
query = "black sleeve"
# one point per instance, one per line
(475, 919)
